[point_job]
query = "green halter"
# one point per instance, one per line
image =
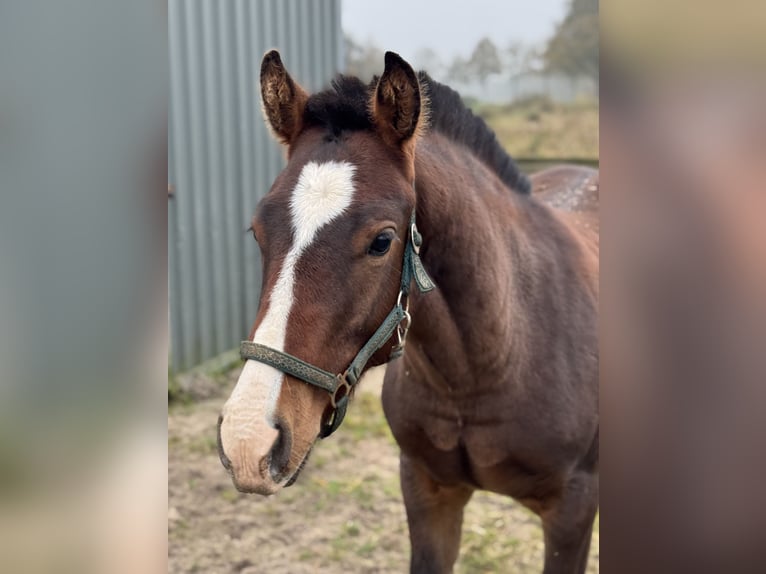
(397, 321)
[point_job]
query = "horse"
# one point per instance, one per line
(400, 233)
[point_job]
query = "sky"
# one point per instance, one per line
(450, 27)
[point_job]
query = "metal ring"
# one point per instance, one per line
(406, 297)
(343, 385)
(408, 317)
(402, 330)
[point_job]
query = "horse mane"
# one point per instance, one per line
(345, 107)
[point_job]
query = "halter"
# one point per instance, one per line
(397, 321)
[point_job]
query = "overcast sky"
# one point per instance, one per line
(450, 27)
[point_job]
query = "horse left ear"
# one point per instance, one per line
(397, 105)
(283, 99)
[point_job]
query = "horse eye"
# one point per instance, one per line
(380, 244)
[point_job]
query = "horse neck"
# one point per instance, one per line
(466, 216)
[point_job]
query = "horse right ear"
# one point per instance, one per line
(283, 99)
(397, 104)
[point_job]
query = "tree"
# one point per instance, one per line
(519, 58)
(459, 71)
(363, 61)
(573, 49)
(513, 58)
(485, 60)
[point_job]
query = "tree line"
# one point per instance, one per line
(571, 51)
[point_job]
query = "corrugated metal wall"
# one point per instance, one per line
(222, 158)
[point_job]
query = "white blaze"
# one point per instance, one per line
(323, 192)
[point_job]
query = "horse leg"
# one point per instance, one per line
(568, 524)
(434, 517)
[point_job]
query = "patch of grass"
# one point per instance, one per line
(364, 494)
(202, 444)
(392, 489)
(335, 488)
(351, 528)
(216, 369)
(230, 495)
(318, 461)
(536, 127)
(365, 418)
(320, 504)
(180, 531)
(367, 549)
(176, 394)
(339, 547)
(306, 555)
(482, 550)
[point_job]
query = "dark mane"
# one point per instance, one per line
(344, 107)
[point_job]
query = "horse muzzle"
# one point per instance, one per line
(258, 464)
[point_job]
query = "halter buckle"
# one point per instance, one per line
(415, 238)
(341, 391)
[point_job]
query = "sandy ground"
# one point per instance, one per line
(344, 514)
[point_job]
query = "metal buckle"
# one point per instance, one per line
(413, 232)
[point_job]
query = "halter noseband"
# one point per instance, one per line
(397, 321)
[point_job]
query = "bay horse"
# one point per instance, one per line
(401, 232)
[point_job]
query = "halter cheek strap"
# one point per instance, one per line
(397, 321)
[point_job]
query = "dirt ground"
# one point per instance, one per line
(344, 513)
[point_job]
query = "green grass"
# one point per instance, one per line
(498, 534)
(217, 368)
(485, 552)
(307, 555)
(176, 394)
(230, 495)
(204, 444)
(539, 128)
(365, 418)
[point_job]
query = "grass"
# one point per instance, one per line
(537, 127)
(204, 444)
(216, 369)
(358, 506)
(365, 418)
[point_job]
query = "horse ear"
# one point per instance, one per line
(397, 105)
(283, 99)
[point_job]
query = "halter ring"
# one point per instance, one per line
(337, 396)
(406, 297)
(401, 330)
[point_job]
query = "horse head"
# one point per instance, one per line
(333, 232)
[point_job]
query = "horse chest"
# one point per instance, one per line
(435, 431)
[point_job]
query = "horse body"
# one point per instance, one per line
(497, 388)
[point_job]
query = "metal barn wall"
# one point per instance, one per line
(222, 158)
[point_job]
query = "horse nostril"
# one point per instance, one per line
(280, 453)
(224, 459)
